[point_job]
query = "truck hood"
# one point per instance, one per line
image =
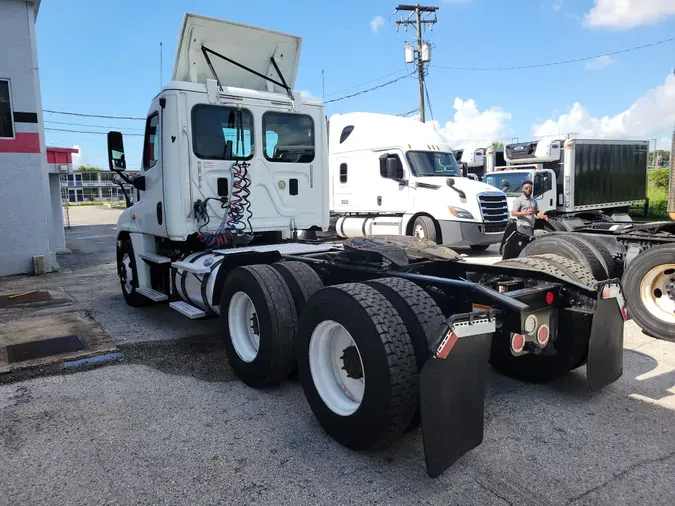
(468, 186)
(247, 45)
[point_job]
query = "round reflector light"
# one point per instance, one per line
(517, 342)
(543, 334)
(550, 298)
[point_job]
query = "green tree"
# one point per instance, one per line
(89, 168)
(497, 144)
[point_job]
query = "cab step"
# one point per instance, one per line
(187, 309)
(188, 267)
(155, 259)
(153, 295)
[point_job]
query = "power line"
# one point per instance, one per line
(562, 62)
(366, 82)
(92, 126)
(86, 132)
(409, 112)
(388, 83)
(94, 115)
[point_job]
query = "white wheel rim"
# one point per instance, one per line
(657, 291)
(419, 231)
(340, 392)
(128, 273)
(244, 326)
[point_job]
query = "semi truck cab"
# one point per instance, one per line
(398, 176)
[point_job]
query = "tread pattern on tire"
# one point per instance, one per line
(400, 357)
(574, 269)
(403, 380)
(605, 255)
(550, 243)
(307, 280)
(539, 264)
(284, 321)
(421, 316)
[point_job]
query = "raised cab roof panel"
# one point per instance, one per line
(250, 46)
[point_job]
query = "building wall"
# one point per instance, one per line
(25, 206)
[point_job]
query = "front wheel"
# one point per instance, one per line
(649, 285)
(425, 228)
(128, 274)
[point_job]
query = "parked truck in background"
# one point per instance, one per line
(472, 158)
(386, 333)
(585, 187)
(396, 176)
(577, 181)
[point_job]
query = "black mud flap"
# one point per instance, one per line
(452, 391)
(605, 347)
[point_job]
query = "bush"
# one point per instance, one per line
(659, 177)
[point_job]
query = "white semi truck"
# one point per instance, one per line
(386, 333)
(472, 157)
(397, 176)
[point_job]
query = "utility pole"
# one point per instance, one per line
(423, 50)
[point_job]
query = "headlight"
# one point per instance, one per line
(460, 213)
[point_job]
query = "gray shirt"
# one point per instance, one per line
(522, 204)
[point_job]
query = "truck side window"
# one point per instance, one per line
(288, 137)
(151, 145)
(222, 133)
(542, 184)
(343, 173)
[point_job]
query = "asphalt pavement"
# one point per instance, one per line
(170, 424)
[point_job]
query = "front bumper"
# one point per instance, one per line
(465, 233)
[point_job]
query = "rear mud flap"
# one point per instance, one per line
(452, 395)
(605, 347)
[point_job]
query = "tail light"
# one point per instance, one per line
(543, 334)
(517, 343)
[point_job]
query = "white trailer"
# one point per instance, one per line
(387, 334)
(472, 158)
(397, 176)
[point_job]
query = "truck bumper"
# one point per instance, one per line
(452, 381)
(462, 233)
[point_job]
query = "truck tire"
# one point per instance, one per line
(550, 263)
(425, 228)
(128, 274)
(572, 269)
(571, 345)
(357, 367)
(422, 318)
(570, 247)
(479, 247)
(301, 279)
(606, 257)
(649, 287)
(260, 325)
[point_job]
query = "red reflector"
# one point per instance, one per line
(543, 335)
(550, 298)
(446, 346)
(517, 342)
(624, 313)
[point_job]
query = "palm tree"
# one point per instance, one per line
(497, 144)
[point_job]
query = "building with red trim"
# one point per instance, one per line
(31, 220)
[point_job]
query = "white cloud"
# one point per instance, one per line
(469, 125)
(307, 95)
(376, 23)
(557, 5)
(651, 116)
(599, 63)
(624, 14)
(77, 157)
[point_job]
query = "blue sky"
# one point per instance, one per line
(103, 58)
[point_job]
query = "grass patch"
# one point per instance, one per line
(658, 205)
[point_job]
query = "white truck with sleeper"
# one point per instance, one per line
(397, 176)
(387, 333)
(472, 157)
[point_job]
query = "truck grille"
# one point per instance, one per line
(494, 208)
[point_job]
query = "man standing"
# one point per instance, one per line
(525, 209)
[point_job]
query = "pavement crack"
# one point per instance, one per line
(490, 491)
(620, 474)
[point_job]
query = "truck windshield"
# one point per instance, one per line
(511, 183)
(433, 163)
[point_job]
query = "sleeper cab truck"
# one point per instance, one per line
(397, 176)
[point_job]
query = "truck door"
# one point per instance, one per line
(544, 190)
(389, 195)
(152, 218)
